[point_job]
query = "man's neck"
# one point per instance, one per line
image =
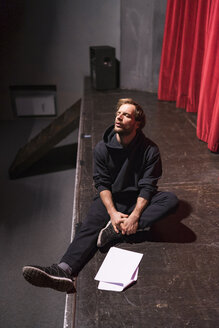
(125, 140)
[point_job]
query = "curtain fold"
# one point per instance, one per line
(208, 110)
(189, 70)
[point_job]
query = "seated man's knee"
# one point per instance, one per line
(173, 200)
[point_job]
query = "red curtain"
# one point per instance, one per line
(189, 71)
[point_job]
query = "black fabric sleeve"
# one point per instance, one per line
(152, 171)
(101, 175)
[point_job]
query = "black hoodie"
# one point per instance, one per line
(130, 171)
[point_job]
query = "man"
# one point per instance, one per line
(127, 166)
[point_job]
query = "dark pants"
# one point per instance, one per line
(85, 240)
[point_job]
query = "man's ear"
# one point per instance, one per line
(138, 124)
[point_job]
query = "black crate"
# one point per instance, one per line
(103, 67)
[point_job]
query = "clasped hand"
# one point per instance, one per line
(127, 224)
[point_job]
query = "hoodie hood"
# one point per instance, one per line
(111, 141)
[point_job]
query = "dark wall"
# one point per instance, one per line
(142, 25)
(47, 43)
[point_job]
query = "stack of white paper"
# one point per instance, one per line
(118, 270)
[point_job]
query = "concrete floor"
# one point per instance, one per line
(35, 225)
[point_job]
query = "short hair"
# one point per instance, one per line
(139, 113)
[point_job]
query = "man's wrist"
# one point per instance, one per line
(139, 208)
(111, 211)
(135, 216)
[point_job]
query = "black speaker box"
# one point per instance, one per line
(103, 67)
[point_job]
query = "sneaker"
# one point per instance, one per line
(52, 277)
(108, 235)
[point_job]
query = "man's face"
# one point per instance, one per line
(125, 122)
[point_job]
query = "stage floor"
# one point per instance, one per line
(178, 279)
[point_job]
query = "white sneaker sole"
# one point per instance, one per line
(101, 233)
